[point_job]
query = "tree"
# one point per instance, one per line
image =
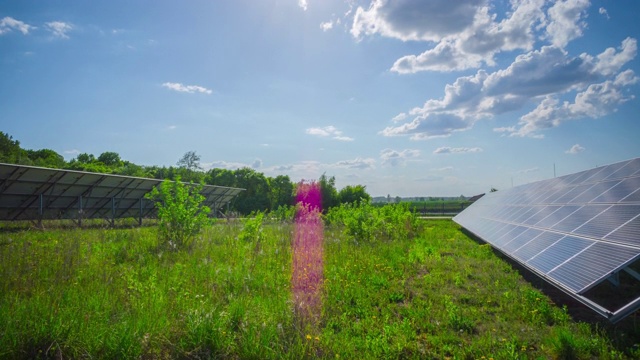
(190, 164)
(190, 160)
(328, 192)
(46, 158)
(85, 158)
(9, 149)
(354, 194)
(110, 158)
(281, 191)
(256, 194)
(181, 214)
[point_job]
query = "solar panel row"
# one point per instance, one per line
(575, 230)
(33, 193)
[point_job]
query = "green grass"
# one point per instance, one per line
(104, 293)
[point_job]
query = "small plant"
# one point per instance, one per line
(181, 214)
(252, 230)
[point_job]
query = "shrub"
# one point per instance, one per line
(181, 214)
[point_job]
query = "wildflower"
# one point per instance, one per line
(308, 337)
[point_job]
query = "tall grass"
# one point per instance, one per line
(103, 293)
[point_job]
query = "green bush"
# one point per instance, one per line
(181, 214)
(367, 223)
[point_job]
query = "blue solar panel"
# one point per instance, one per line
(576, 230)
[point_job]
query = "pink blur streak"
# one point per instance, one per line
(307, 273)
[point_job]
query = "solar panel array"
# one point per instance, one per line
(34, 193)
(575, 230)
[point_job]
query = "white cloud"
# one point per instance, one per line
(357, 163)
(415, 19)
(8, 24)
(466, 34)
(328, 131)
(72, 152)
(224, 165)
(400, 117)
(172, 127)
(326, 26)
(395, 158)
(458, 150)
(604, 12)
(59, 29)
(565, 21)
(303, 4)
(187, 88)
(575, 149)
(539, 76)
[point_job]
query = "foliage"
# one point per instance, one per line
(365, 222)
(109, 293)
(353, 194)
(283, 213)
(181, 214)
(328, 192)
(252, 230)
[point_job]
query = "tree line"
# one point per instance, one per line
(263, 193)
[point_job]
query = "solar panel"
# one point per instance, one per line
(576, 231)
(34, 193)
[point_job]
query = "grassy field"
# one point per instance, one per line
(112, 293)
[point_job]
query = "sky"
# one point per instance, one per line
(406, 97)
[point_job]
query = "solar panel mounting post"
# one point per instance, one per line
(80, 210)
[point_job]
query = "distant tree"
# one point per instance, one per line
(220, 177)
(110, 158)
(256, 194)
(354, 194)
(398, 199)
(190, 160)
(10, 151)
(85, 158)
(281, 191)
(328, 192)
(389, 198)
(190, 165)
(46, 158)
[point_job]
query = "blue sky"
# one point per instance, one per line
(407, 97)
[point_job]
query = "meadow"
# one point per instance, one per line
(421, 290)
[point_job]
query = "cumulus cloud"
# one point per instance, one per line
(466, 34)
(59, 29)
(326, 26)
(575, 149)
(358, 163)
(191, 89)
(539, 76)
(328, 131)
(8, 24)
(303, 4)
(396, 158)
(604, 12)
(566, 21)
(458, 150)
